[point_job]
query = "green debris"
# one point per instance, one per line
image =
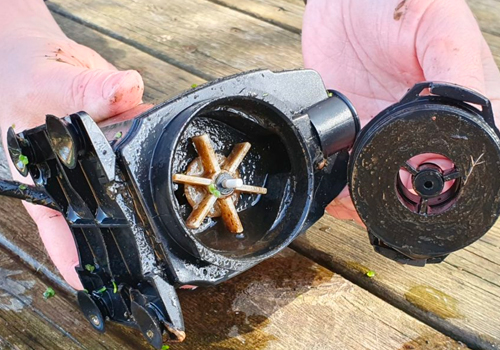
(102, 290)
(23, 159)
(90, 268)
(165, 347)
(115, 287)
(213, 190)
(118, 135)
(330, 94)
(194, 86)
(22, 187)
(264, 95)
(13, 126)
(370, 273)
(49, 293)
(86, 291)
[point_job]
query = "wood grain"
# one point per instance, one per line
(460, 297)
(29, 321)
(201, 37)
(283, 13)
(287, 302)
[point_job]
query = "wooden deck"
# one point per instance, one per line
(315, 295)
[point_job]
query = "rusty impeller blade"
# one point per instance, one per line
(220, 181)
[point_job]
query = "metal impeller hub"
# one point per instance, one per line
(212, 184)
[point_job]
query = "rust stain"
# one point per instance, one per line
(434, 301)
(434, 341)
(400, 10)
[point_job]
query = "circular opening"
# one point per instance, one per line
(428, 184)
(276, 161)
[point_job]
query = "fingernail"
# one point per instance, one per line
(118, 80)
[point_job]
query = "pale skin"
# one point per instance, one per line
(372, 51)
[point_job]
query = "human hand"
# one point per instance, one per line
(374, 51)
(44, 72)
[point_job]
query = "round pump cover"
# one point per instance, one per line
(424, 174)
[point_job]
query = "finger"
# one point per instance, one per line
(341, 212)
(449, 45)
(99, 92)
(58, 240)
(342, 207)
(130, 114)
(492, 80)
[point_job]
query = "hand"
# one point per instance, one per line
(44, 72)
(374, 51)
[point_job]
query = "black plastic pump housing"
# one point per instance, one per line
(114, 186)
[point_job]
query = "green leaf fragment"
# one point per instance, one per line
(23, 159)
(213, 190)
(49, 293)
(370, 274)
(118, 135)
(90, 268)
(330, 94)
(102, 290)
(13, 126)
(22, 187)
(115, 287)
(86, 291)
(165, 347)
(194, 86)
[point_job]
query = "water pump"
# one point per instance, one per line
(194, 191)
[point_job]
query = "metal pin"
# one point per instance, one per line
(232, 183)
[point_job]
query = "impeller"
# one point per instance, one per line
(219, 177)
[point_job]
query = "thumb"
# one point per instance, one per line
(102, 93)
(449, 45)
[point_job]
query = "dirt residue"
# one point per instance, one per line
(433, 342)
(400, 10)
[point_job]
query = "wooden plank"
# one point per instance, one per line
(487, 13)
(201, 37)
(460, 297)
(284, 13)
(29, 321)
(287, 302)
(261, 309)
(494, 44)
